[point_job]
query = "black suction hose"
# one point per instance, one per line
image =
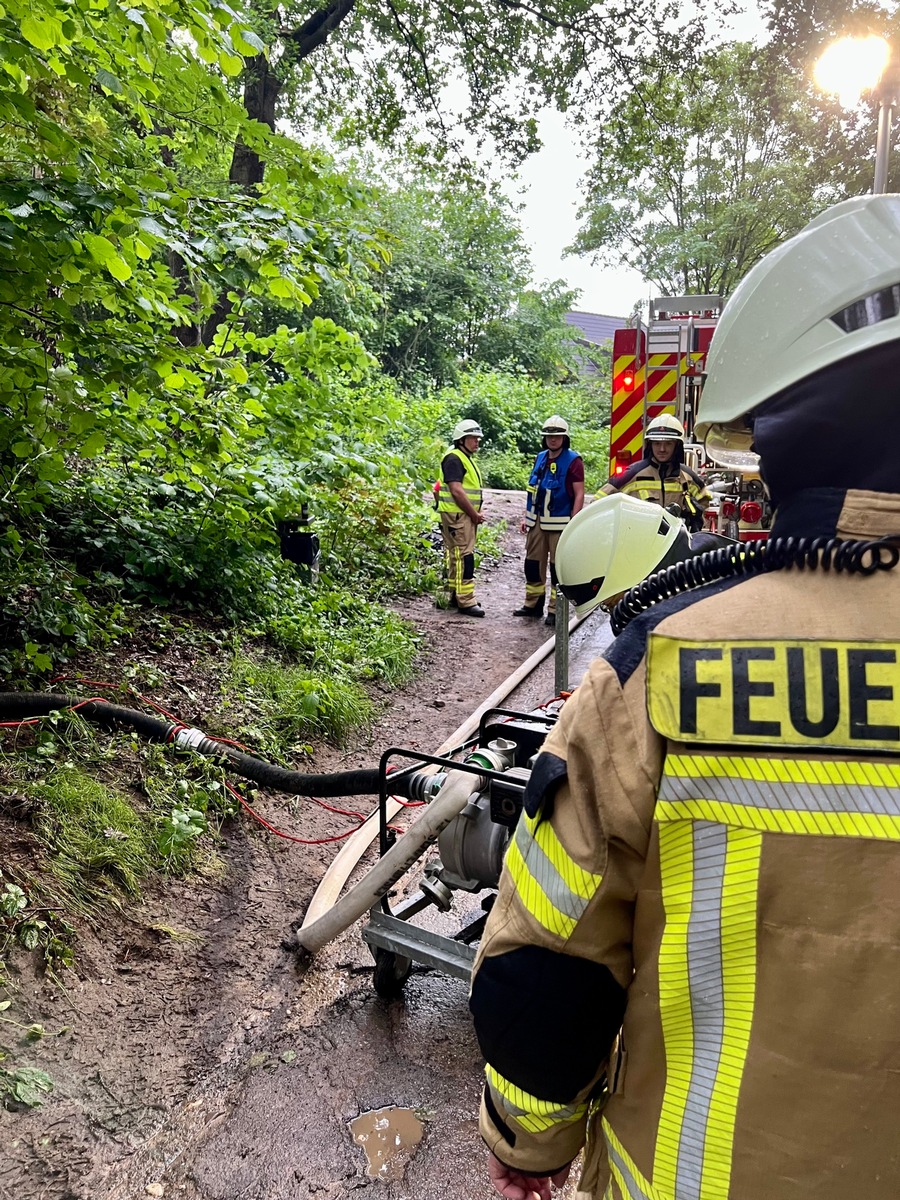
(16, 706)
(21, 705)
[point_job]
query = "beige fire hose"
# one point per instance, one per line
(327, 917)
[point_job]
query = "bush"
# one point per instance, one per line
(511, 410)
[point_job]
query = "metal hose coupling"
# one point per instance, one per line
(185, 738)
(498, 755)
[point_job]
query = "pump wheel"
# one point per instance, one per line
(390, 974)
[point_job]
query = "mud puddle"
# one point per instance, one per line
(389, 1137)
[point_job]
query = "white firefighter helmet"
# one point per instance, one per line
(664, 428)
(464, 429)
(828, 293)
(555, 425)
(611, 546)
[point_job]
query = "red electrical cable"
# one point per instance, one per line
(289, 836)
(37, 720)
(178, 725)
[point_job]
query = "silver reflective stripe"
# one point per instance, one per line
(845, 797)
(704, 958)
(546, 876)
(632, 1189)
(552, 1115)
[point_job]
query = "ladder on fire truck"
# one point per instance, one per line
(657, 368)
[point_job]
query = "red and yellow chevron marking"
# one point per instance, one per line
(626, 421)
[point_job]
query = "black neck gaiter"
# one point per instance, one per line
(835, 430)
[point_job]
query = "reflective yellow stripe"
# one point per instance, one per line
(862, 825)
(629, 1180)
(821, 797)
(648, 488)
(472, 485)
(554, 889)
(534, 1115)
(870, 773)
(644, 489)
(707, 980)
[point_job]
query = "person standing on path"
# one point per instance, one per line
(555, 494)
(459, 499)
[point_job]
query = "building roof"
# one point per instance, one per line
(596, 328)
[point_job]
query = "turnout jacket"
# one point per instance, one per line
(665, 484)
(709, 857)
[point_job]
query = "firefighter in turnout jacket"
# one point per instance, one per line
(661, 475)
(693, 963)
(555, 494)
(459, 498)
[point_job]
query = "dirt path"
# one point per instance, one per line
(193, 1057)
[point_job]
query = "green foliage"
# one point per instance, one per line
(47, 608)
(511, 410)
(341, 631)
(102, 843)
(700, 173)
(34, 928)
(533, 337)
(453, 289)
(390, 69)
(23, 1087)
(292, 702)
(178, 833)
(97, 841)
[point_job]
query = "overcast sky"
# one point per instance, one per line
(549, 188)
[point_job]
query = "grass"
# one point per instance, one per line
(347, 636)
(296, 701)
(490, 539)
(96, 838)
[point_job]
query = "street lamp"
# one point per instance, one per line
(853, 65)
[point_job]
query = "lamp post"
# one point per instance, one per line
(853, 65)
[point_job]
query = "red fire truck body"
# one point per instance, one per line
(658, 368)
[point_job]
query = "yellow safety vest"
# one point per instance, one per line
(472, 486)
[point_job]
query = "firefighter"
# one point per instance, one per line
(661, 475)
(459, 498)
(693, 962)
(555, 494)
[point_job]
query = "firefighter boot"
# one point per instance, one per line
(550, 619)
(534, 611)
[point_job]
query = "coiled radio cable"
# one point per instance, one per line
(752, 558)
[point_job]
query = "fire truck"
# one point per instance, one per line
(657, 368)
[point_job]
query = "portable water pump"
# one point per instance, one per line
(470, 846)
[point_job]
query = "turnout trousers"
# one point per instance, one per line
(540, 553)
(458, 532)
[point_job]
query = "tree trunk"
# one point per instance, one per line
(261, 89)
(262, 86)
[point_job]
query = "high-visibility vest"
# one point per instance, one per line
(472, 485)
(548, 498)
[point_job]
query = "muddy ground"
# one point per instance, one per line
(193, 1056)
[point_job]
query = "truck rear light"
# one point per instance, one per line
(729, 508)
(751, 511)
(623, 462)
(628, 380)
